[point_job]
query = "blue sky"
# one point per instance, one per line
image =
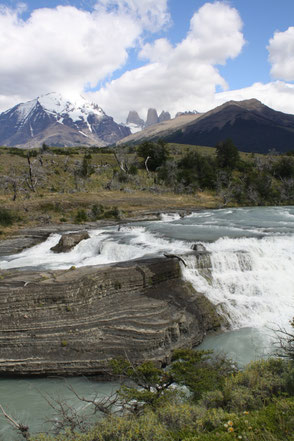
(135, 54)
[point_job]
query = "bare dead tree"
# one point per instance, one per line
(105, 405)
(122, 163)
(13, 182)
(36, 172)
(31, 180)
(146, 163)
(226, 193)
(67, 417)
(285, 342)
(22, 429)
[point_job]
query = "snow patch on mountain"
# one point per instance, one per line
(79, 123)
(24, 110)
(79, 109)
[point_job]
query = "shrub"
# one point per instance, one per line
(81, 216)
(97, 211)
(133, 170)
(6, 217)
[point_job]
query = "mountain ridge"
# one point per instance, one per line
(55, 120)
(251, 125)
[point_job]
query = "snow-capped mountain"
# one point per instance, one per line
(54, 120)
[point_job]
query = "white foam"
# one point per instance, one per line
(252, 280)
(169, 217)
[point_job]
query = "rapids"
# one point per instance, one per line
(251, 283)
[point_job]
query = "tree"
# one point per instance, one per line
(197, 370)
(156, 151)
(227, 154)
(197, 169)
(86, 168)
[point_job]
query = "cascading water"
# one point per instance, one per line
(251, 252)
(249, 278)
(251, 282)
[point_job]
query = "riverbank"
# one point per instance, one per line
(61, 212)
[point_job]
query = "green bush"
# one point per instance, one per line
(6, 217)
(81, 216)
(97, 211)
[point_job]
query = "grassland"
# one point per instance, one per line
(58, 187)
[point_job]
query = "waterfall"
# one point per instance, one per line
(249, 275)
(250, 280)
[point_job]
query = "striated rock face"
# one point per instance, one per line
(73, 322)
(69, 241)
(152, 117)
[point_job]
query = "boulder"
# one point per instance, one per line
(198, 247)
(69, 241)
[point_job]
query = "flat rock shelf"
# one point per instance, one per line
(73, 322)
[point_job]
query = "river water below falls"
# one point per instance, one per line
(252, 278)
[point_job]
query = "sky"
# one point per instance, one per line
(172, 55)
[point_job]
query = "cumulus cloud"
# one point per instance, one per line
(181, 77)
(67, 49)
(281, 54)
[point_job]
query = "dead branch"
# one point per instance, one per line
(121, 164)
(103, 405)
(172, 256)
(21, 428)
(146, 163)
(65, 416)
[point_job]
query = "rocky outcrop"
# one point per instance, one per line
(198, 247)
(73, 322)
(164, 116)
(133, 118)
(152, 117)
(68, 241)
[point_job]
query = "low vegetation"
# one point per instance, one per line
(69, 184)
(197, 397)
(213, 400)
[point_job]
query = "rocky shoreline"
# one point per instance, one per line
(73, 322)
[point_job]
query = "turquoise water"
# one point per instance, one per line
(252, 253)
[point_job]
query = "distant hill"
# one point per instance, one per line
(161, 129)
(251, 125)
(56, 121)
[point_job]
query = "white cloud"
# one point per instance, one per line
(65, 48)
(278, 95)
(152, 15)
(180, 77)
(281, 54)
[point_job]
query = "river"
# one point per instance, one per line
(252, 254)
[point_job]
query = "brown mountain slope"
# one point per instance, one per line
(159, 130)
(252, 126)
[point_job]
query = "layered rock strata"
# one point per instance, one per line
(73, 322)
